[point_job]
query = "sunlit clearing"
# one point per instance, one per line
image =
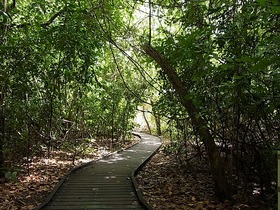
(140, 121)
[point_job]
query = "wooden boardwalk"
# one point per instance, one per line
(107, 183)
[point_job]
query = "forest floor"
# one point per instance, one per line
(168, 184)
(165, 183)
(27, 188)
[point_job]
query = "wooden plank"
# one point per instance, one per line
(104, 184)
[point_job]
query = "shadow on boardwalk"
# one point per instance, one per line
(106, 183)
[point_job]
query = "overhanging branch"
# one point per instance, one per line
(123, 80)
(222, 187)
(44, 25)
(51, 20)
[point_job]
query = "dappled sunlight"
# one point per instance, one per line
(44, 174)
(139, 120)
(151, 142)
(114, 158)
(131, 150)
(110, 175)
(79, 76)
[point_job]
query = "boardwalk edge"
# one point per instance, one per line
(48, 198)
(139, 194)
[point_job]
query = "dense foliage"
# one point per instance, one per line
(226, 54)
(60, 87)
(77, 69)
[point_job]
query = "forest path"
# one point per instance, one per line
(106, 183)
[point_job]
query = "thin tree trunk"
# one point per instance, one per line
(158, 124)
(147, 122)
(3, 88)
(113, 124)
(28, 133)
(222, 187)
(124, 122)
(2, 133)
(49, 143)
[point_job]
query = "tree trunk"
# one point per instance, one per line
(222, 187)
(49, 142)
(146, 120)
(124, 122)
(113, 124)
(3, 33)
(158, 124)
(2, 133)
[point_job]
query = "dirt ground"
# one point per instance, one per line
(167, 184)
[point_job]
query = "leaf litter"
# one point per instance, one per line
(168, 184)
(165, 184)
(37, 179)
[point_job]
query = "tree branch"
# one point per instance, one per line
(223, 189)
(170, 72)
(44, 25)
(51, 20)
(123, 80)
(10, 7)
(150, 22)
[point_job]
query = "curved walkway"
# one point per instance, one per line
(106, 183)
